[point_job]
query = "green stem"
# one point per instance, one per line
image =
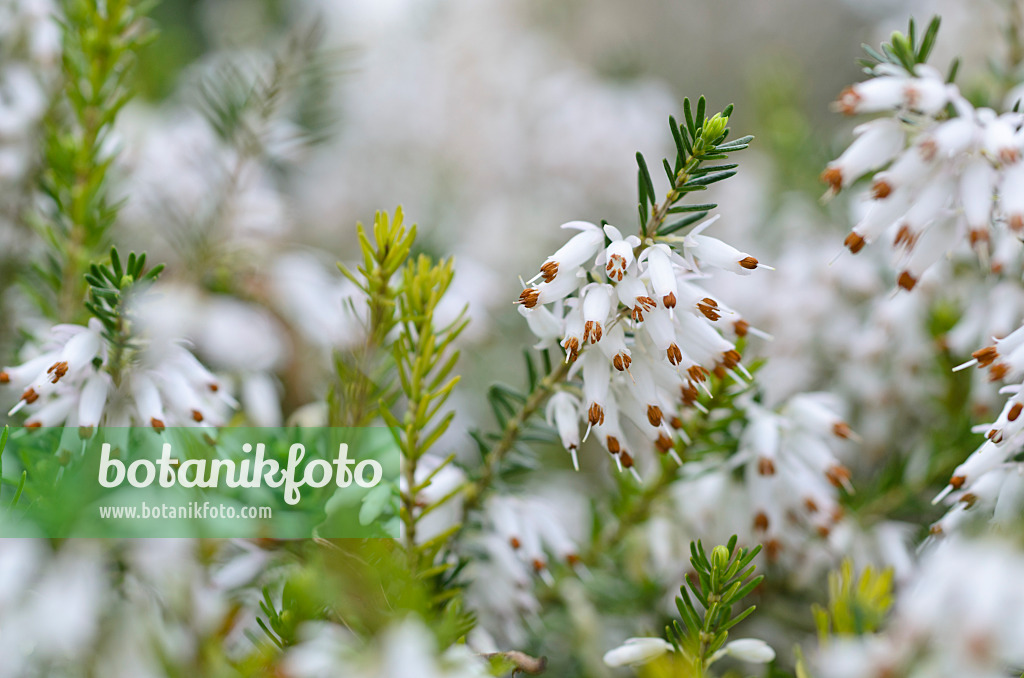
(660, 213)
(510, 434)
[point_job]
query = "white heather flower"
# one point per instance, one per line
(634, 651)
(597, 304)
(894, 88)
(662, 274)
(618, 256)
(751, 650)
(877, 143)
(718, 254)
(581, 247)
(563, 414)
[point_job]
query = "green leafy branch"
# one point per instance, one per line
(110, 286)
(856, 606)
(363, 374)
(698, 140)
(514, 412)
(101, 40)
(719, 584)
(425, 361)
(905, 50)
(404, 353)
(19, 485)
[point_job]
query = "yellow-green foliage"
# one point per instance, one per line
(855, 606)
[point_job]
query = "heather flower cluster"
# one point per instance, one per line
(639, 332)
(68, 382)
(943, 173)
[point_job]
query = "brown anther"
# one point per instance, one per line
(978, 236)
(592, 331)
(765, 466)
(906, 281)
(572, 560)
(675, 356)
(30, 396)
(538, 565)
(33, 424)
(626, 459)
(529, 297)
(214, 387)
(197, 416)
(731, 358)
(676, 423)
(612, 443)
(1009, 155)
(157, 424)
(956, 482)
(4, 377)
(838, 475)
(837, 513)
(833, 176)
(616, 267)
(719, 371)
(761, 521)
(709, 311)
(669, 300)
(85, 432)
(621, 361)
(514, 542)
(998, 371)
(847, 101)
(1014, 411)
(842, 430)
(697, 373)
(823, 531)
(935, 530)
(854, 242)
(642, 305)
(881, 189)
(985, 356)
(572, 348)
(549, 270)
(595, 415)
(663, 443)
(1016, 223)
(771, 549)
(969, 499)
(928, 148)
(654, 415)
(991, 433)
(741, 327)
(689, 394)
(57, 371)
(810, 505)
(749, 263)
(905, 237)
